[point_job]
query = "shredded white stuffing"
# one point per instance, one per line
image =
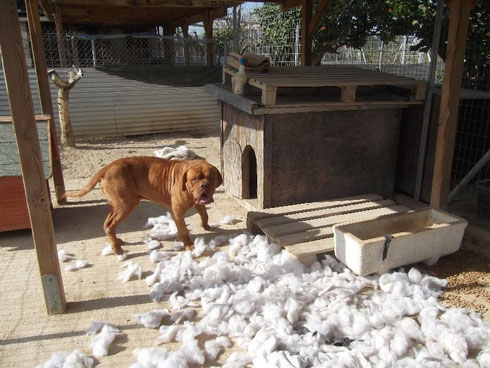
(179, 153)
(283, 314)
(101, 341)
(280, 313)
(75, 359)
(152, 319)
(132, 269)
(229, 219)
(63, 256)
(80, 263)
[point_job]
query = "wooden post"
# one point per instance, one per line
(208, 30)
(45, 95)
(448, 116)
(306, 39)
(58, 22)
(21, 107)
(185, 33)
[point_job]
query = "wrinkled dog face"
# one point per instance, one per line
(202, 179)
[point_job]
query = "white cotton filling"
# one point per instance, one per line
(63, 256)
(199, 247)
(101, 342)
(132, 269)
(96, 327)
(121, 257)
(216, 346)
(75, 359)
(107, 250)
(80, 263)
(153, 244)
(227, 220)
(152, 319)
(283, 314)
(179, 153)
(184, 315)
(168, 333)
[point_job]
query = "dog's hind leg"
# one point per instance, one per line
(116, 215)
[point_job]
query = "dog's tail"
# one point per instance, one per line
(91, 185)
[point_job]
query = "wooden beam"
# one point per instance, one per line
(211, 15)
(45, 95)
(153, 3)
(187, 40)
(60, 35)
(22, 110)
(322, 8)
(290, 4)
(40, 117)
(451, 88)
(306, 39)
(208, 30)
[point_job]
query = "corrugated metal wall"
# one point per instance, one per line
(102, 104)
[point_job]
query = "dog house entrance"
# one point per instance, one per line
(249, 174)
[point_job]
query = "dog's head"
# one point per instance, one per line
(201, 180)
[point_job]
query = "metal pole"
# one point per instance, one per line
(296, 45)
(94, 55)
(428, 100)
(474, 170)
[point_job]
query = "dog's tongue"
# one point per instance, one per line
(204, 199)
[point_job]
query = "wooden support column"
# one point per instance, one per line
(208, 30)
(45, 95)
(306, 39)
(187, 40)
(21, 107)
(60, 35)
(451, 88)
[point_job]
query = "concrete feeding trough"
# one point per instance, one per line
(395, 240)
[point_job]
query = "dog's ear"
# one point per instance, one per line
(220, 179)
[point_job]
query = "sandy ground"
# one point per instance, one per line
(28, 336)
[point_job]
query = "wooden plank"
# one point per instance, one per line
(20, 101)
(332, 106)
(231, 98)
(319, 246)
(39, 57)
(451, 88)
(304, 207)
(13, 207)
(289, 218)
(39, 117)
(309, 234)
(278, 231)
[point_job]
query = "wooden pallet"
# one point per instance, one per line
(347, 78)
(306, 229)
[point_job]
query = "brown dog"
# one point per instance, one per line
(175, 184)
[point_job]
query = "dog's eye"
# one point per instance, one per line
(195, 180)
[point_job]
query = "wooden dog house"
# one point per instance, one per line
(312, 134)
(14, 214)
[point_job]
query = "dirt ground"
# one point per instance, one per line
(28, 336)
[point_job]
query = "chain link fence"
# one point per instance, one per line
(91, 50)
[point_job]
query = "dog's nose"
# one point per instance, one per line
(204, 184)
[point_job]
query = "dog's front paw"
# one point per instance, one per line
(189, 247)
